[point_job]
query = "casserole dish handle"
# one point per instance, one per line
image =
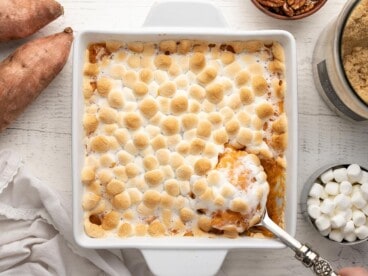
(185, 14)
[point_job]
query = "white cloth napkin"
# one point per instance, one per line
(36, 231)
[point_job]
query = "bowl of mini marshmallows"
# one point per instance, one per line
(335, 201)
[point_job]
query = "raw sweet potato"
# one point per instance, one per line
(29, 70)
(21, 18)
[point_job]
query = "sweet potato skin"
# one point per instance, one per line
(21, 18)
(29, 70)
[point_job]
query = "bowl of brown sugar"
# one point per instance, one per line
(289, 9)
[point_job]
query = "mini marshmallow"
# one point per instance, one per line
(350, 237)
(354, 173)
(327, 176)
(316, 191)
(340, 175)
(313, 201)
(364, 177)
(314, 211)
(359, 218)
(327, 206)
(338, 221)
(364, 189)
(346, 187)
(336, 235)
(342, 201)
(348, 214)
(361, 232)
(325, 232)
(323, 223)
(349, 227)
(332, 188)
(358, 200)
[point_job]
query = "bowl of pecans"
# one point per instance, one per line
(289, 9)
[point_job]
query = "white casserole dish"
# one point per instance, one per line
(177, 20)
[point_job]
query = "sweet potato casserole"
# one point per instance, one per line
(183, 138)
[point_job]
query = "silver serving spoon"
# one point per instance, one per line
(303, 252)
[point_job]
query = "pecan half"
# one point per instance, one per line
(272, 3)
(288, 10)
(306, 8)
(298, 4)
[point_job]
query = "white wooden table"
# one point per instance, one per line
(43, 132)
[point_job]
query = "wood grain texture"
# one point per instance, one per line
(43, 133)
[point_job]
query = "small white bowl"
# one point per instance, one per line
(315, 177)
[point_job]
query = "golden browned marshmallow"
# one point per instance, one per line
(259, 85)
(279, 141)
(121, 55)
(264, 110)
(220, 136)
(183, 148)
(219, 201)
(90, 123)
(115, 187)
(90, 201)
(131, 170)
(116, 99)
(186, 214)
(151, 198)
(207, 75)
(174, 70)
(107, 160)
(208, 195)
(129, 78)
(279, 88)
(244, 136)
(256, 122)
(227, 191)
(215, 92)
(197, 92)
(227, 57)
(179, 104)
(197, 146)
(125, 230)
(136, 47)
(184, 46)
(110, 220)
(146, 75)
(243, 118)
(172, 187)
(122, 135)
(167, 46)
(213, 178)
(105, 175)
(204, 223)
(197, 62)
(199, 187)
(184, 172)
(279, 126)
(158, 142)
(93, 230)
(104, 86)
(148, 107)
(163, 156)
(232, 127)
(149, 48)
(215, 118)
(170, 125)
(107, 115)
(140, 89)
(194, 106)
(114, 45)
(154, 177)
(167, 200)
(276, 66)
(150, 163)
(210, 150)
(167, 89)
(202, 166)
(117, 71)
(257, 137)
(132, 120)
(140, 140)
(253, 46)
(128, 215)
(141, 229)
(91, 69)
(163, 62)
(95, 187)
(135, 195)
(100, 143)
(134, 61)
(239, 205)
(278, 51)
(176, 160)
(204, 129)
(246, 95)
(87, 88)
(156, 228)
(164, 105)
(120, 173)
(121, 201)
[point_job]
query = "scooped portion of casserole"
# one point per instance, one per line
(183, 138)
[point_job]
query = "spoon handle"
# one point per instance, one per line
(303, 252)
